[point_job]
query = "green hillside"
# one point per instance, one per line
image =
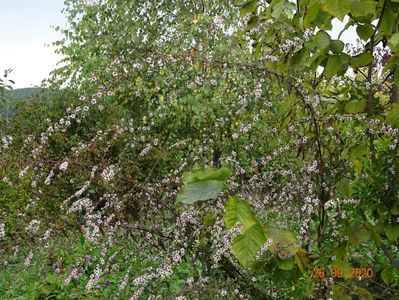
(25, 94)
(8, 105)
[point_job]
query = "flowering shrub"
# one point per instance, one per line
(199, 145)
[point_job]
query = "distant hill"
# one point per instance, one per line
(8, 108)
(25, 94)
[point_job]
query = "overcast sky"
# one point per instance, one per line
(25, 30)
(26, 33)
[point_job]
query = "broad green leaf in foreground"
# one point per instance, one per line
(337, 8)
(336, 65)
(200, 191)
(285, 244)
(202, 184)
(204, 174)
(246, 245)
(361, 60)
(238, 210)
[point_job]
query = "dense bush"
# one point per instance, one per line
(208, 150)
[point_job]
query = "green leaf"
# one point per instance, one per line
(277, 8)
(362, 293)
(200, 191)
(363, 8)
(355, 106)
(248, 7)
(365, 31)
(386, 275)
(358, 234)
(358, 150)
(337, 8)
(396, 76)
(393, 115)
(336, 46)
(344, 188)
(246, 245)
(392, 232)
(393, 42)
(204, 174)
(209, 219)
(388, 21)
(341, 251)
(395, 209)
(319, 42)
(287, 264)
(299, 263)
(336, 65)
(361, 60)
(343, 265)
(238, 210)
(285, 244)
(311, 12)
(339, 293)
(253, 21)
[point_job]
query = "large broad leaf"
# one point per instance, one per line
(320, 41)
(311, 12)
(388, 21)
(363, 8)
(337, 8)
(361, 60)
(202, 184)
(246, 245)
(285, 244)
(204, 174)
(336, 65)
(393, 115)
(200, 191)
(238, 210)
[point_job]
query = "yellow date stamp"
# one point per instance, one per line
(352, 273)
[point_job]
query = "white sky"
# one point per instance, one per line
(25, 30)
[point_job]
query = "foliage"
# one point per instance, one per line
(235, 147)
